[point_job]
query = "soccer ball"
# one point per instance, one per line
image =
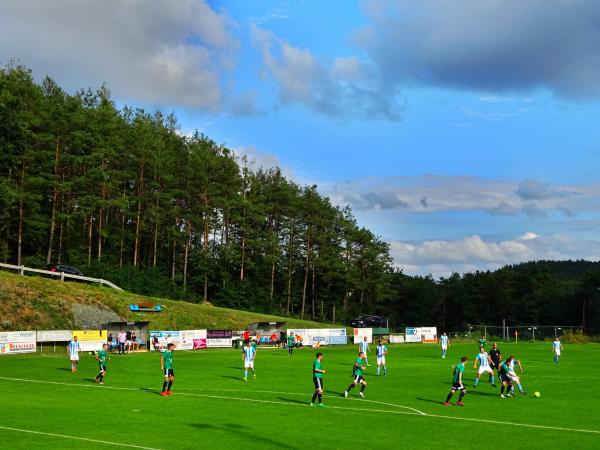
(537, 394)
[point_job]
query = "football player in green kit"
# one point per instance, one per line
(166, 365)
(318, 372)
(102, 357)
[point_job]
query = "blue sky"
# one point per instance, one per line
(463, 132)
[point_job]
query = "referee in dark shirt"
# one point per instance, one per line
(495, 356)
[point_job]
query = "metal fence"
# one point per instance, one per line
(60, 275)
(518, 332)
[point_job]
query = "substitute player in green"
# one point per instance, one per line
(482, 342)
(102, 357)
(318, 372)
(357, 375)
(166, 365)
(457, 383)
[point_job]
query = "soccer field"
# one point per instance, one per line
(44, 405)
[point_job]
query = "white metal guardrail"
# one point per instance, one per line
(60, 275)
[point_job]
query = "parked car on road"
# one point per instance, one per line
(368, 322)
(63, 268)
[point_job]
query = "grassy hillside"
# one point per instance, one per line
(36, 303)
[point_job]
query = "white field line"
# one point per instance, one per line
(438, 416)
(77, 438)
(306, 395)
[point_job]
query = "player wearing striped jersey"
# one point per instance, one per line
(363, 346)
(485, 363)
(166, 365)
(444, 343)
(513, 376)
(505, 379)
(73, 350)
(357, 375)
(381, 351)
(102, 357)
(556, 348)
(457, 383)
(249, 355)
(318, 372)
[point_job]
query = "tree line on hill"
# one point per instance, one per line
(122, 195)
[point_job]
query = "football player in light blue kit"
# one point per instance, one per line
(249, 354)
(514, 377)
(557, 348)
(444, 343)
(484, 366)
(381, 351)
(363, 346)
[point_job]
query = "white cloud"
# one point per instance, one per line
(257, 159)
(339, 88)
(465, 193)
(443, 257)
(147, 51)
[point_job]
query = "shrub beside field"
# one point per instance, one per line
(39, 303)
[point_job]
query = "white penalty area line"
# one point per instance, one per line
(77, 438)
(220, 397)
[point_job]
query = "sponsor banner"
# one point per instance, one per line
(216, 343)
(163, 336)
(304, 333)
(90, 335)
(395, 339)
(337, 332)
(91, 346)
(338, 340)
(413, 338)
(54, 336)
(429, 339)
(17, 342)
(428, 330)
(361, 333)
(219, 334)
(413, 331)
(198, 344)
(188, 337)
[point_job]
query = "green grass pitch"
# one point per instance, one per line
(45, 406)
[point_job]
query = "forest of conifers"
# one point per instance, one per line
(120, 194)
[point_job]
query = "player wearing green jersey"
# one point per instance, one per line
(357, 375)
(166, 365)
(290, 343)
(102, 357)
(505, 378)
(457, 383)
(318, 372)
(482, 342)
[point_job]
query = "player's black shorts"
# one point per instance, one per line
(102, 367)
(494, 365)
(318, 382)
(458, 387)
(169, 373)
(358, 378)
(505, 378)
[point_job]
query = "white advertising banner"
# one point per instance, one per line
(17, 342)
(164, 336)
(187, 338)
(54, 336)
(361, 333)
(413, 338)
(302, 332)
(218, 343)
(396, 339)
(428, 330)
(91, 346)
